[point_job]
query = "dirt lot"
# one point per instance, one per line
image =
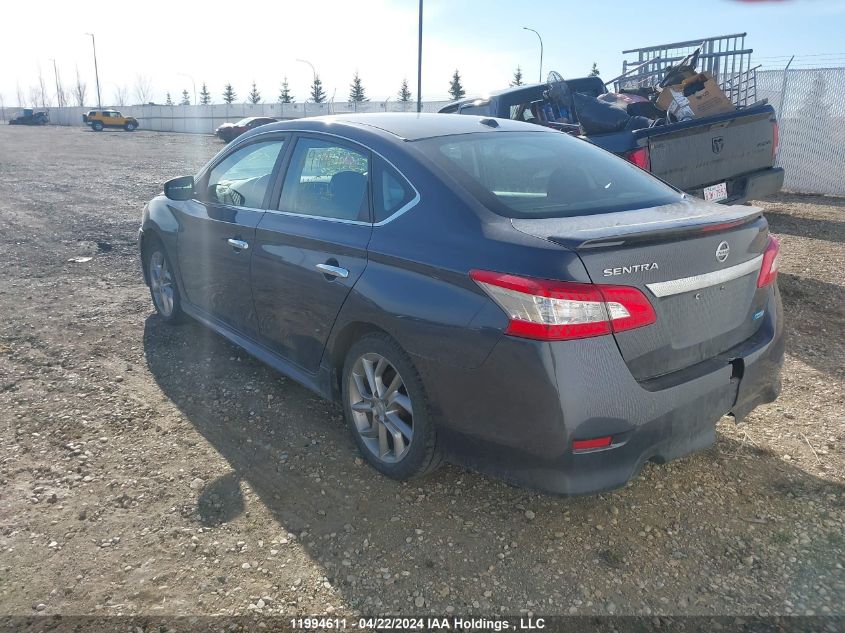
(158, 470)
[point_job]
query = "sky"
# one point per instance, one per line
(177, 44)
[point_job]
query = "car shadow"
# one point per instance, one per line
(811, 308)
(460, 539)
(800, 226)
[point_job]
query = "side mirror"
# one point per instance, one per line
(181, 188)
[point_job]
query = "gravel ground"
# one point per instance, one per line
(153, 470)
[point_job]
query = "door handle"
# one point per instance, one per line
(238, 245)
(333, 271)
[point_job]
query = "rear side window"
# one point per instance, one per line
(328, 180)
(545, 174)
(391, 190)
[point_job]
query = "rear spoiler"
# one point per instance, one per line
(659, 235)
(686, 218)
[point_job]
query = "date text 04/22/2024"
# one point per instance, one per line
(423, 624)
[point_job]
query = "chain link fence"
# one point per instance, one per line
(810, 103)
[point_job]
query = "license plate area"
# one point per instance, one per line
(716, 192)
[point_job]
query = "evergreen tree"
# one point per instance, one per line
(229, 94)
(404, 92)
(168, 100)
(254, 96)
(594, 72)
(517, 77)
(356, 90)
(186, 98)
(285, 95)
(456, 90)
(318, 95)
(205, 95)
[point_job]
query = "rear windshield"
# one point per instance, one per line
(545, 175)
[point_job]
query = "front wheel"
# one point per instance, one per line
(387, 409)
(97, 126)
(130, 126)
(163, 288)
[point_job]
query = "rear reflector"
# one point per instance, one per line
(771, 263)
(775, 138)
(640, 158)
(596, 442)
(550, 310)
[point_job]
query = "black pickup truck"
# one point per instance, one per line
(726, 157)
(29, 117)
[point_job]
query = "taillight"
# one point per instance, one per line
(550, 310)
(640, 158)
(596, 442)
(771, 263)
(775, 138)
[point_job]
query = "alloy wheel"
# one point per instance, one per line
(161, 283)
(381, 407)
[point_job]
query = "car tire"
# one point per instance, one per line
(161, 278)
(130, 126)
(97, 126)
(393, 430)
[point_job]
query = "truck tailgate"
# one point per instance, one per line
(693, 156)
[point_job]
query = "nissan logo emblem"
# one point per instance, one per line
(722, 251)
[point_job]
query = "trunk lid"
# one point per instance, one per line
(705, 295)
(696, 154)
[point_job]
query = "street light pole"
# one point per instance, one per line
(313, 70)
(96, 72)
(194, 83)
(314, 79)
(59, 97)
(419, 60)
(541, 50)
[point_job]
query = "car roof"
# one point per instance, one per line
(407, 126)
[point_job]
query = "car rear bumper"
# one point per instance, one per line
(753, 186)
(515, 417)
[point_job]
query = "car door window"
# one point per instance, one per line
(241, 179)
(326, 179)
(391, 191)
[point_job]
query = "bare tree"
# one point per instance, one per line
(61, 92)
(34, 96)
(42, 89)
(121, 95)
(79, 89)
(64, 93)
(21, 97)
(143, 88)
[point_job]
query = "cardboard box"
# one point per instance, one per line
(706, 101)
